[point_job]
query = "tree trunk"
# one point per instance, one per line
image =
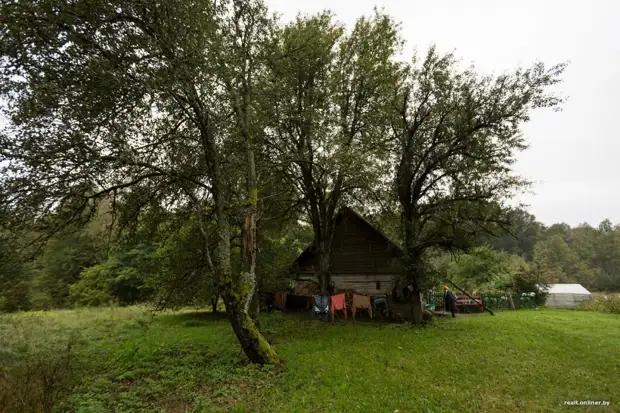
(512, 304)
(413, 265)
(416, 307)
(324, 273)
(214, 301)
(249, 246)
(255, 308)
(237, 292)
(252, 341)
(248, 252)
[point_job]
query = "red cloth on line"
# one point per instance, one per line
(339, 302)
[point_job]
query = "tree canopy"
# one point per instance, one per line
(209, 131)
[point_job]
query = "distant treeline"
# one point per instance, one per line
(158, 264)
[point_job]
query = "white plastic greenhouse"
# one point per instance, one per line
(566, 295)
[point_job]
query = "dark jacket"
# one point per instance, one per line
(450, 300)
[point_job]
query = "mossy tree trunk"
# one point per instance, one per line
(255, 346)
(255, 307)
(237, 294)
(241, 85)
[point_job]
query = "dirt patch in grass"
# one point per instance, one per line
(173, 403)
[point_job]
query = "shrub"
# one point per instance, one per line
(40, 300)
(530, 280)
(117, 280)
(93, 289)
(37, 384)
(604, 305)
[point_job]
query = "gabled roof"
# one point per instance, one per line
(339, 217)
(567, 289)
(387, 239)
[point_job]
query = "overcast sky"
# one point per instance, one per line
(573, 153)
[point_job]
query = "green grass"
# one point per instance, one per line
(123, 360)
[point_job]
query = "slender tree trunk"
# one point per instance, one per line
(324, 236)
(324, 270)
(249, 232)
(416, 307)
(236, 292)
(245, 327)
(255, 307)
(237, 297)
(248, 257)
(214, 301)
(248, 252)
(238, 304)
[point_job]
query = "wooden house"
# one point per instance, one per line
(362, 258)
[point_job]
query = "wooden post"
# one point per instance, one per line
(464, 292)
(512, 304)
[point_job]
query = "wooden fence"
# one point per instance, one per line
(494, 301)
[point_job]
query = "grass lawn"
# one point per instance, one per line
(123, 360)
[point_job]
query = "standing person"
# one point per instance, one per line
(450, 300)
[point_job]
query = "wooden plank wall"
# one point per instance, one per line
(357, 249)
(364, 283)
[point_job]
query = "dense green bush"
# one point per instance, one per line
(481, 269)
(40, 300)
(118, 280)
(93, 288)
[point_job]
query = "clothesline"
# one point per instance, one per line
(322, 305)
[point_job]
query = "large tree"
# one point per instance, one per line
(328, 95)
(521, 237)
(456, 135)
(107, 98)
(561, 264)
(607, 256)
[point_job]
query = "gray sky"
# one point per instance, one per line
(572, 153)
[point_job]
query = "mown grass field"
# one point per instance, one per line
(124, 360)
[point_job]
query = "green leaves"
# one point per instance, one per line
(327, 98)
(458, 133)
(483, 269)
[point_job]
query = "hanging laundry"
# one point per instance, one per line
(380, 305)
(321, 307)
(279, 300)
(361, 302)
(339, 302)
